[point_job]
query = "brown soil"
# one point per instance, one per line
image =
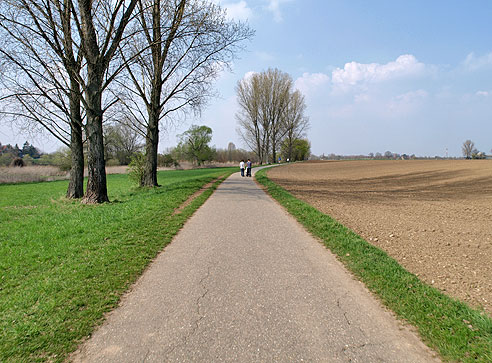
(433, 216)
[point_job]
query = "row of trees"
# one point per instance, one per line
(122, 144)
(194, 146)
(270, 113)
(66, 66)
(387, 155)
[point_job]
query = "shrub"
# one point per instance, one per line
(28, 160)
(167, 160)
(63, 159)
(478, 155)
(113, 162)
(136, 168)
(17, 162)
(6, 159)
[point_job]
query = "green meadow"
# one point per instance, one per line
(64, 264)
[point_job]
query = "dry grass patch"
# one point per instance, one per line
(30, 174)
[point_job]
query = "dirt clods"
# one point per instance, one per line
(433, 216)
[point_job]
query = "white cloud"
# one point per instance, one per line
(238, 10)
(248, 75)
(473, 63)
(362, 97)
(265, 56)
(274, 7)
(412, 96)
(482, 93)
(310, 81)
(354, 73)
(406, 103)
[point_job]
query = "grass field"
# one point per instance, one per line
(64, 264)
(456, 331)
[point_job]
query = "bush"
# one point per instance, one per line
(167, 160)
(28, 160)
(113, 162)
(136, 168)
(17, 162)
(478, 155)
(63, 159)
(6, 159)
(45, 159)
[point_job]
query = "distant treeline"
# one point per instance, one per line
(117, 153)
(388, 155)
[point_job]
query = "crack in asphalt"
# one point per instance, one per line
(146, 356)
(339, 305)
(347, 320)
(200, 316)
(196, 322)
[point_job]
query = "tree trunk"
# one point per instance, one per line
(154, 112)
(76, 184)
(274, 151)
(151, 143)
(96, 183)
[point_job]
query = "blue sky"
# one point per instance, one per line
(410, 77)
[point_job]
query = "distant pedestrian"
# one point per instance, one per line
(248, 168)
(241, 166)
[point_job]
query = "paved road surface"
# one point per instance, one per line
(243, 282)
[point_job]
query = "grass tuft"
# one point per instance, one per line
(452, 328)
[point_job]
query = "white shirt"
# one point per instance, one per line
(241, 165)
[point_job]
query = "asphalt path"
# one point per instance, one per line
(244, 282)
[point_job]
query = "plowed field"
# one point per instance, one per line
(433, 216)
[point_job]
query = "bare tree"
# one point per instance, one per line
(121, 142)
(184, 46)
(67, 50)
(277, 87)
(468, 148)
(264, 116)
(294, 120)
(250, 128)
(42, 64)
(101, 26)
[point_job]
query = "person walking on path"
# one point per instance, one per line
(241, 166)
(248, 168)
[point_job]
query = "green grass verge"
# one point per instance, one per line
(64, 264)
(456, 331)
